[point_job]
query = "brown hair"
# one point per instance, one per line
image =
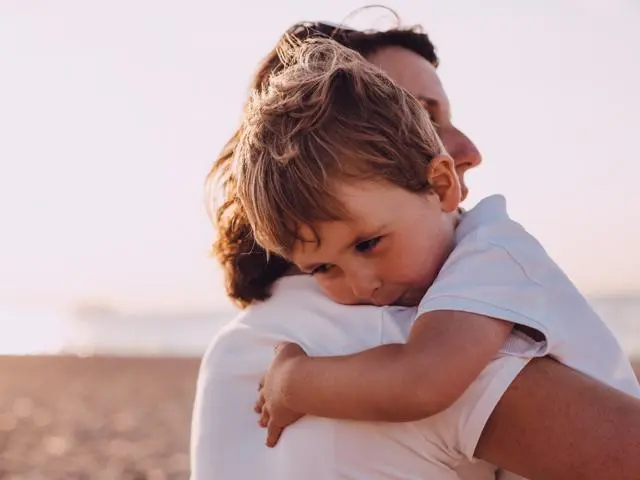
(248, 271)
(325, 117)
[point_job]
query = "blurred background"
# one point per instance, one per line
(111, 114)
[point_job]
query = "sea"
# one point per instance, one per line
(107, 332)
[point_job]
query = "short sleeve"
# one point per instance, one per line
(485, 278)
(461, 425)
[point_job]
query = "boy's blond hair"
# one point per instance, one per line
(328, 115)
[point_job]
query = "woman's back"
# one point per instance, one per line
(226, 428)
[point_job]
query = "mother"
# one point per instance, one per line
(539, 419)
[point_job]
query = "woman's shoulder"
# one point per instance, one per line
(294, 298)
(299, 312)
(289, 295)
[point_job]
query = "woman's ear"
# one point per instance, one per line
(444, 182)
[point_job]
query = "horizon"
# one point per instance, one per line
(189, 333)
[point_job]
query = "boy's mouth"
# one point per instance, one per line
(389, 295)
(399, 298)
(410, 298)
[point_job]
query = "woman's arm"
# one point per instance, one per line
(556, 423)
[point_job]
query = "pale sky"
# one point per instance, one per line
(111, 113)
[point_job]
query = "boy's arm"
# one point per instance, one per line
(444, 354)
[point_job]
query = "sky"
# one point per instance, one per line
(111, 114)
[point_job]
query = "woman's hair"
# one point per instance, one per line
(322, 120)
(249, 271)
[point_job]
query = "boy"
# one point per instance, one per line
(363, 197)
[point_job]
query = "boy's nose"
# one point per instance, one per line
(364, 287)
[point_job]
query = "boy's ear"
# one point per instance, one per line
(444, 182)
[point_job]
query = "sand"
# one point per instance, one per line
(96, 418)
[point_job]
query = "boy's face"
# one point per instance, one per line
(391, 249)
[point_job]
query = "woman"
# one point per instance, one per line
(542, 426)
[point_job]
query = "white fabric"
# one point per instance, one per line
(227, 443)
(499, 270)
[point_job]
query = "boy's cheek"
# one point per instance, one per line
(338, 291)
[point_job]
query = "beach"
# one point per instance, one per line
(96, 418)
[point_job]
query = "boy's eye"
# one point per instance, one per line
(321, 269)
(368, 245)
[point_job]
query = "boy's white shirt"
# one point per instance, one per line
(499, 270)
(227, 443)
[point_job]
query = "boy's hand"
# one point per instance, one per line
(274, 415)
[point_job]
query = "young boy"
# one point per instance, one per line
(340, 171)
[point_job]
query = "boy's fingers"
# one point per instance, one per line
(259, 404)
(273, 435)
(264, 418)
(280, 346)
